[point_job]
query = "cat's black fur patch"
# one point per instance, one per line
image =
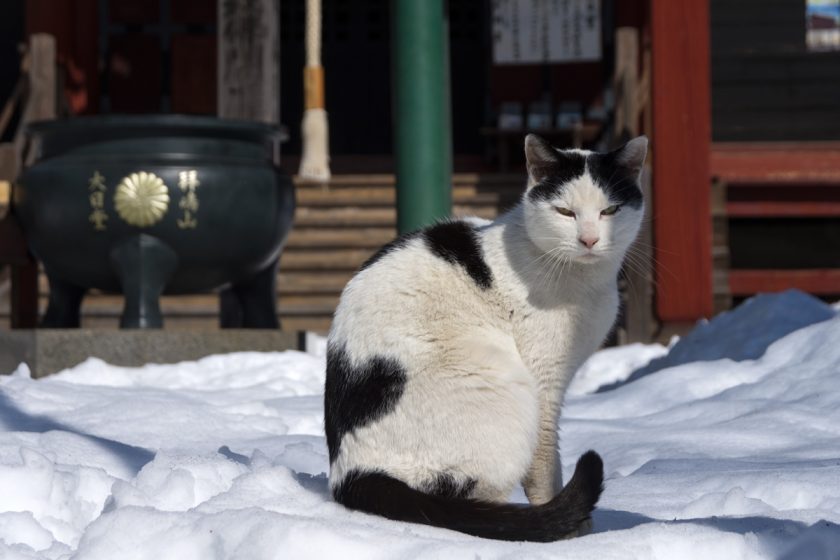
(553, 176)
(616, 180)
(447, 486)
(457, 243)
(389, 248)
(356, 395)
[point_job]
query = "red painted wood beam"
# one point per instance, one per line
(784, 163)
(681, 141)
(782, 209)
(822, 281)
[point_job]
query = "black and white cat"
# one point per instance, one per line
(452, 347)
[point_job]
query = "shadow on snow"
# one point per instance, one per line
(743, 333)
(791, 539)
(14, 419)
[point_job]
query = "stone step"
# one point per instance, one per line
(315, 323)
(388, 180)
(303, 282)
(208, 304)
(373, 216)
(303, 238)
(288, 283)
(343, 260)
(373, 196)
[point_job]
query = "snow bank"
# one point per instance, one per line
(744, 333)
(729, 450)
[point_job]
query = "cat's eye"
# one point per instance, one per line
(610, 210)
(565, 211)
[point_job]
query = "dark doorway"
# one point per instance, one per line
(356, 56)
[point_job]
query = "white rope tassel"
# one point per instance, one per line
(315, 157)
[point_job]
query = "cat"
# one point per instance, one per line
(452, 347)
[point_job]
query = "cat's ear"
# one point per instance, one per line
(632, 155)
(540, 158)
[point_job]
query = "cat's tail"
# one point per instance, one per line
(562, 517)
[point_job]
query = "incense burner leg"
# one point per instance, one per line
(252, 303)
(64, 304)
(144, 264)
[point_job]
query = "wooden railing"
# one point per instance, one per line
(780, 180)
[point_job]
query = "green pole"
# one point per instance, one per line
(422, 132)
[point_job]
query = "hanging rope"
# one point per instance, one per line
(313, 33)
(314, 162)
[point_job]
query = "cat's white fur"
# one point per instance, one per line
(486, 369)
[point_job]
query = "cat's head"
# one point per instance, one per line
(580, 205)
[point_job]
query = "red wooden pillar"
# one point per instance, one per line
(681, 143)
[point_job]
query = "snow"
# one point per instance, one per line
(726, 446)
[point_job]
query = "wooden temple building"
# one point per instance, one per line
(743, 116)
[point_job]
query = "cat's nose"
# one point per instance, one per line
(588, 241)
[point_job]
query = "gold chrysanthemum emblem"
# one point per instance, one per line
(141, 199)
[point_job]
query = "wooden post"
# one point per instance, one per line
(41, 104)
(42, 98)
(639, 323)
(625, 81)
(248, 85)
(249, 60)
(681, 143)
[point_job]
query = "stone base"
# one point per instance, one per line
(48, 351)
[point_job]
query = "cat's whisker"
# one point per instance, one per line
(547, 265)
(632, 291)
(654, 247)
(542, 259)
(653, 260)
(634, 268)
(630, 271)
(642, 266)
(557, 267)
(546, 277)
(567, 262)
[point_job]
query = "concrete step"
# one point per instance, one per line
(208, 304)
(373, 216)
(388, 180)
(380, 196)
(303, 238)
(315, 323)
(325, 260)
